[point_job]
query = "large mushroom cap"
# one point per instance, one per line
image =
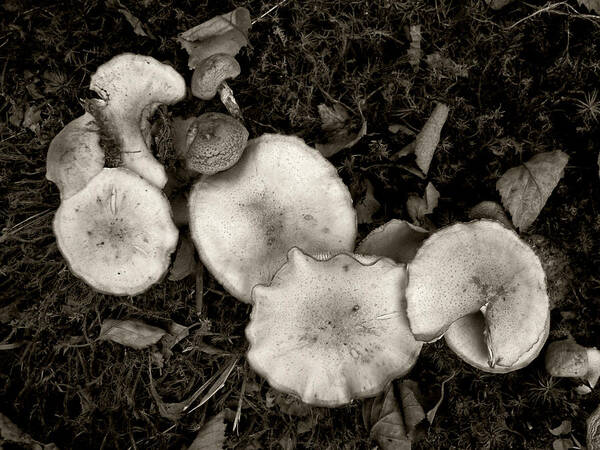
(280, 194)
(117, 234)
(331, 330)
(130, 88)
(463, 267)
(75, 156)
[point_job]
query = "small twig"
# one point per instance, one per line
(269, 11)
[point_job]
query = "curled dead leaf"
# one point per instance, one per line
(337, 124)
(212, 434)
(367, 206)
(418, 207)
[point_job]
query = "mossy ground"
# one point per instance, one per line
(532, 85)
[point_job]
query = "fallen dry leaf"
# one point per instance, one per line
(525, 189)
(185, 262)
(212, 435)
(414, 52)
(138, 27)
(367, 206)
(419, 207)
(593, 430)
(226, 33)
(131, 333)
(433, 411)
(563, 428)
(591, 5)
(396, 239)
(411, 407)
(498, 4)
(429, 137)
(337, 125)
(382, 415)
(445, 65)
(562, 444)
(10, 433)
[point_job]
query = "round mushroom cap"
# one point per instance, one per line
(566, 359)
(396, 239)
(331, 330)
(466, 338)
(75, 156)
(117, 234)
(211, 72)
(280, 194)
(215, 142)
(131, 87)
(466, 266)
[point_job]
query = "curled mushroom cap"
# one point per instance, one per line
(466, 338)
(75, 156)
(464, 267)
(396, 239)
(331, 330)
(130, 88)
(215, 142)
(117, 234)
(280, 194)
(211, 72)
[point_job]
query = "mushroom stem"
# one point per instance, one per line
(228, 99)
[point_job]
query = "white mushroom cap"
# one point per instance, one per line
(117, 234)
(396, 239)
(75, 156)
(331, 330)
(463, 267)
(280, 194)
(130, 88)
(466, 338)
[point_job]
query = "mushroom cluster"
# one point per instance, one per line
(114, 225)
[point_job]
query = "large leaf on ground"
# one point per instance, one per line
(383, 415)
(525, 189)
(131, 333)
(212, 435)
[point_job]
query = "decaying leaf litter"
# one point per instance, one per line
(77, 302)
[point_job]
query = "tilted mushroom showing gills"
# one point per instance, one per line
(467, 266)
(131, 87)
(280, 194)
(117, 234)
(331, 330)
(75, 156)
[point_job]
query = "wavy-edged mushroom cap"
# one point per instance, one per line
(215, 142)
(465, 266)
(466, 338)
(117, 234)
(75, 156)
(211, 72)
(396, 239)
(281, 193)
(331, 330)
(131, 87)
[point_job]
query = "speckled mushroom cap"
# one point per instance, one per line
(117, 234)
(331, 330)
(75, 156)
(465, 266)
(466, 338)
(211, 72)
(130, 88)
(214, 143)
(280, 194)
